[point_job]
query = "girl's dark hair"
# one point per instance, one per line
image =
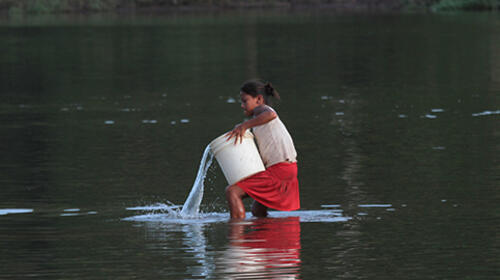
(256, 87)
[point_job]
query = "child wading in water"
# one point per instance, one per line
(277, 187)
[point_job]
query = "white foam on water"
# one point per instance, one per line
(156, 207)
(191, 206)
(72, 210)
(176, 218)
(306, 216)
(324, 216)
(15, 211)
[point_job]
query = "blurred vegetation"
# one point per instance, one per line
(78, 6)
(448, 5)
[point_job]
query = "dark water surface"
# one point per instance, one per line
(103, 121)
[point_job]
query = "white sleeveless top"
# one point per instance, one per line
(274, 142)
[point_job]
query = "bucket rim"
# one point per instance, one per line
(220, 141)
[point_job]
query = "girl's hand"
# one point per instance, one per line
(237, 132)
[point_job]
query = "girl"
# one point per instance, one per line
(277, 187)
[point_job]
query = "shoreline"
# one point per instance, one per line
(22, 8)
(158, 7)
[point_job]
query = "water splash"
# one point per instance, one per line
(191, 206)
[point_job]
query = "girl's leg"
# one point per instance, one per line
(259, 210)
(234, 196)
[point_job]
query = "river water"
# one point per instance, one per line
(104, 119)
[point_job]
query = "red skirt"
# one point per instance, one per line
(277, 187)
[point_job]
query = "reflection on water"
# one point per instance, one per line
(196, 244)
(266, 248)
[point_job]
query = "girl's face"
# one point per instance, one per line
(249, 103)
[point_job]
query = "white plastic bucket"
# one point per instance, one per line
(237, 161)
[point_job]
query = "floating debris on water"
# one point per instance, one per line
(231, 100)
(437, 110)
(129, 110)
(185, 120)
(440, 148)
(339, 113)
(324, 97)
(69, 214)
(109, 122)
(330, 205)
(72, 210)
(402, 116)
(375, 205)
(173, 122)
(486, 113)
(15, 211)
(429, 116)
(150, 121)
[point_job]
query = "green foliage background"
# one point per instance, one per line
(66, 6)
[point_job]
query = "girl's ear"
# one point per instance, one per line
(260, 99)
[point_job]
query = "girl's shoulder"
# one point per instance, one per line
(263, 108)
(268, 108)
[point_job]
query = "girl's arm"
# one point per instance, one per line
(263, 114)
